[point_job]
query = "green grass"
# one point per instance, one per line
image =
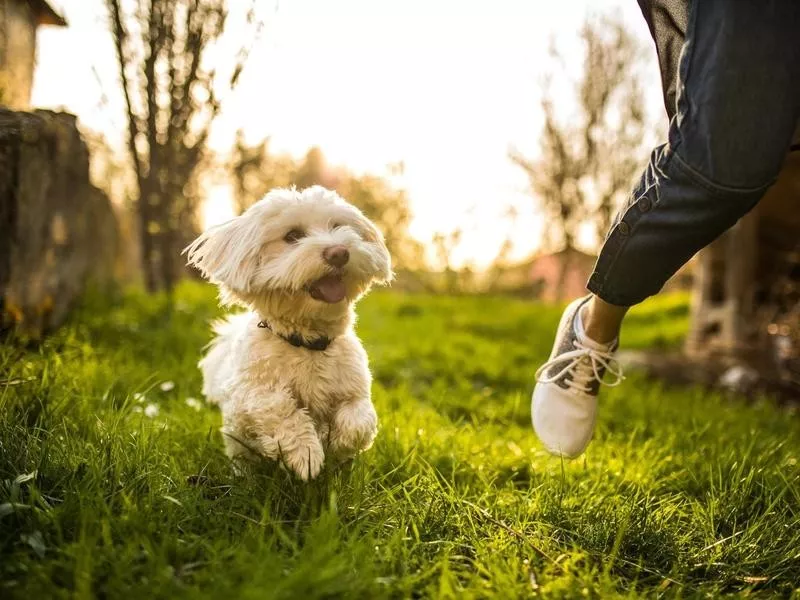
(682, 494)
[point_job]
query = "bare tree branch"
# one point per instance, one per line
(171, 97)
(120, 38)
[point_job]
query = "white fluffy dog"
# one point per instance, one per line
(290, 375)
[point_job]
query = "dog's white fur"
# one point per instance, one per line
(285, 402)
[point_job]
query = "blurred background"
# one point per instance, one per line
(491, 143)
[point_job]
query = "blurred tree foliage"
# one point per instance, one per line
(454, 280)
(172, 64)
(110, 170)
(588, 161)
(254, 170)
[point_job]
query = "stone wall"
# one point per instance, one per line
(58, 232)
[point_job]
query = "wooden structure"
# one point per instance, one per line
(560, 275)
(19, 20)
(746, 304)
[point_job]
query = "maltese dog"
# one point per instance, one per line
(290, 375)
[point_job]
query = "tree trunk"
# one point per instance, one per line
(146, 238)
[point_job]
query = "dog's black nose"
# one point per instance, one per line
(336, 256)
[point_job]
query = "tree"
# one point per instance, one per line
(171, 100)
(588, 162)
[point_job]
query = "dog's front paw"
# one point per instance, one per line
(353, 429)
(305, 460)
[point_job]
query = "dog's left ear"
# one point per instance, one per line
(381, 254)
(225, 254)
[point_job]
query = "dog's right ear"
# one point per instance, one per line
(227, 254)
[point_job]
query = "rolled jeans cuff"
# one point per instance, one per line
(674, 212)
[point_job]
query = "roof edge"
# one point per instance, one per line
(46, 14)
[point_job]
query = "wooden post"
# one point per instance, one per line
(723, 302)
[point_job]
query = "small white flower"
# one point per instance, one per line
(167, 386)
(139, 397)
(151, 410)
(194, 403)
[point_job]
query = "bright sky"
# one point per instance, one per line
(446, 86)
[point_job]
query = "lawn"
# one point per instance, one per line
(113, 482)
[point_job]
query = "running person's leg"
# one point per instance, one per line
(738, 103)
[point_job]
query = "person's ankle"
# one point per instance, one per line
(595, 328)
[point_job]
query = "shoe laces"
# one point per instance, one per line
(584, 365)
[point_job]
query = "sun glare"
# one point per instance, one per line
(445, 87)
(218, 207)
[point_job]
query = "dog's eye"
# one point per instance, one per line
(294, 235)
(335, 226)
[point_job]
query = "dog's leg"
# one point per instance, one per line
(270, 422)
(353, 428)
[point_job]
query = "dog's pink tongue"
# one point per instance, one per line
(329, 289)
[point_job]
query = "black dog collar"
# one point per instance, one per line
(298, 341)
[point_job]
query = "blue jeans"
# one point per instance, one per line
(738, 103)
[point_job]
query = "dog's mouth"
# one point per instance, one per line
(330, 288)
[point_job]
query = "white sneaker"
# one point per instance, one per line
(564, 402)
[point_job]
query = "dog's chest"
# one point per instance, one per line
(319, 381)
(313, 382)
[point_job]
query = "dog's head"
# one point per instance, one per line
(309, 248)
